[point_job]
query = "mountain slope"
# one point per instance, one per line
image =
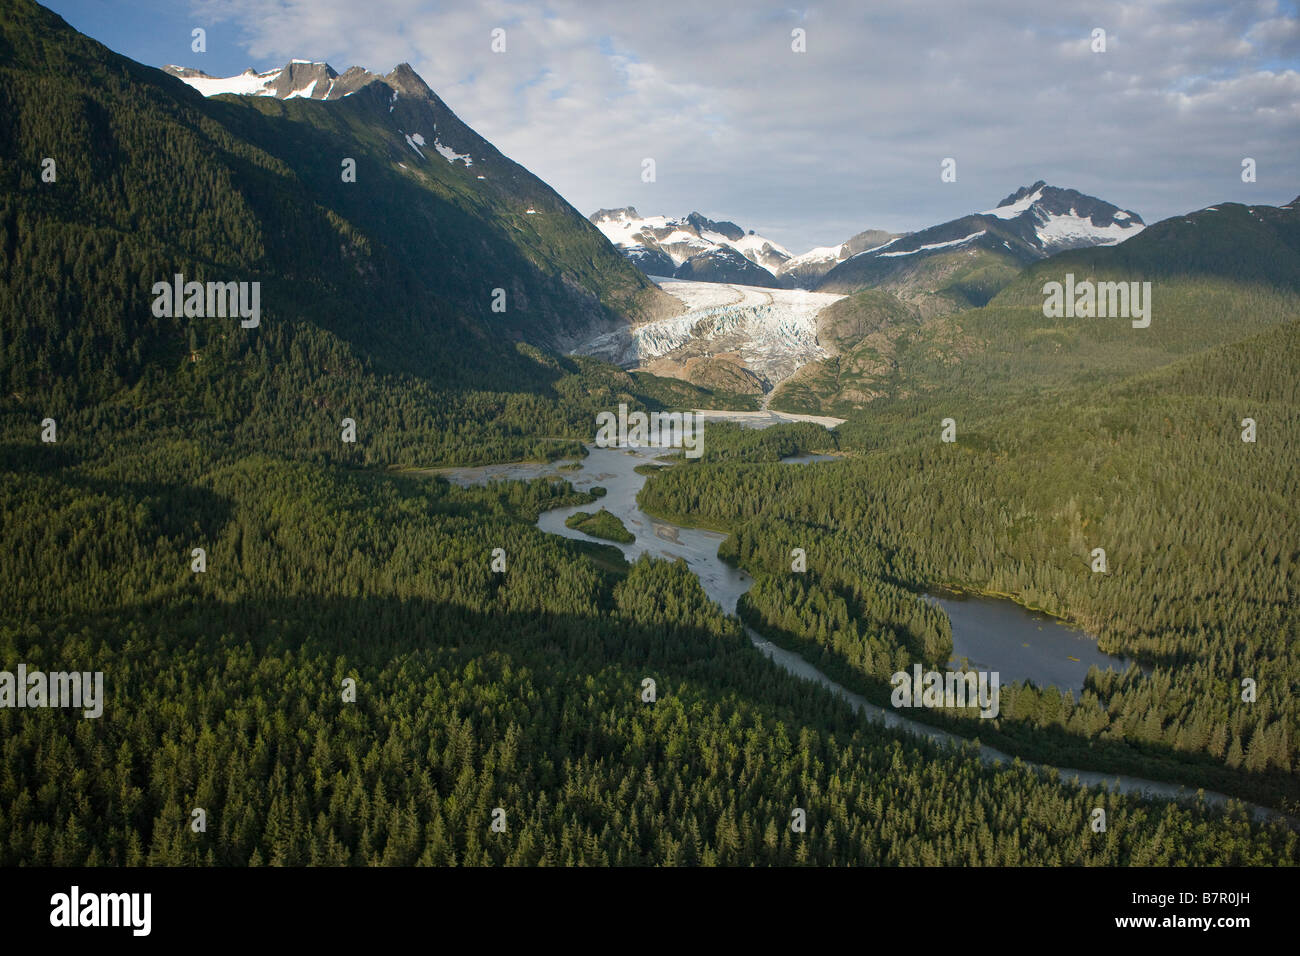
(803, 271)
(375, 295)
(251, 189)
(860, 332)
(540, 249)
(964, 262)
(1216, 275)
(1228, 241)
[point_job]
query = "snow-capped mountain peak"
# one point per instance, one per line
(1032, 223)
(421, 121)
(308, 79)
(819, 254)
(692, 247)
(1063, 219)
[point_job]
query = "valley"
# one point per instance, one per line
(987, 631)
(314, 530)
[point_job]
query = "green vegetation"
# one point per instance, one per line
(602, 524)
(474, 690)
(478, 689)
(728, 442)
(935, 283)
(1199, 530)
(844, 324)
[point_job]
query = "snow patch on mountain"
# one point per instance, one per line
(883, 245)
(304, 92)
(1075, 231)
(450, 155)
(1011, 209)
(411, 142)
(933, 245)
(248, 83)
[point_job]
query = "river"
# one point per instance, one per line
(991, 638)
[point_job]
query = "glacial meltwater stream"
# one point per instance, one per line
(993, 634)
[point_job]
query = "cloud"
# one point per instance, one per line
(811, 147)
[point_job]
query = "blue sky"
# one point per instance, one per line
(155, 32)
(808, 148)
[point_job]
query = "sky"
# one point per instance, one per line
(808, 148)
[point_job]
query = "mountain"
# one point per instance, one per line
(945, 268)
(804, 271)
(1226, 241)
(693, 247)
(964, 262)
(298, 78)
(374, 294)
(1216, 275)
(574, 287)
(705, 250)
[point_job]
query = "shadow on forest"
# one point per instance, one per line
(563, 651)
(174, 509)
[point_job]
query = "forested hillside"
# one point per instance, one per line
(114, 176)
(1199, 529)
(474, 691)
(1216, 276)
(346, 679)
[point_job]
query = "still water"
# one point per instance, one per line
(994, 634)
